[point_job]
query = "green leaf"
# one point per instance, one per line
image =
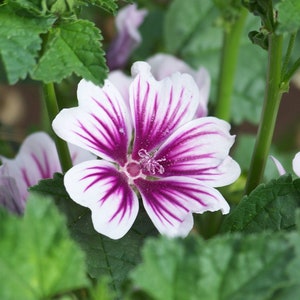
(228, 267)
(53, 187)
(55, 8)
(38, 260)
(263, 9)
(107, 257)
(230, 9)
(109, 5)
(292, 290)
(33, 7)
(104, 256)
(259, 38)
(191, 32)
(20, 42)
(270, 206)
(183, 20)
(288, 16)
(102, 291)
(72, 47)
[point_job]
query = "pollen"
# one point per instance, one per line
(149, 164)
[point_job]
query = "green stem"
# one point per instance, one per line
(229, 58)
(287, 77)
(52, 108)
(269, 114)
(288, 53)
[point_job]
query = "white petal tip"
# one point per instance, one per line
(278, 165)
(140, 67)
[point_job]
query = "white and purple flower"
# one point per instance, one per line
(163, 65)
(128, 20)
(37, 159)
(153, 147)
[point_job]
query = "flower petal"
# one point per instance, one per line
(37, 159)
(122, 83)
(128, 20)
(296, 164)
(79, 155)
(101, 124)
(163, 65)
(11, 169)
(159, 107)
(200, 149)
(203, 80)
(10, 197)
(278, 165)
(169, 202)
(105, 191)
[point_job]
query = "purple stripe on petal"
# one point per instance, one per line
(37, 159)
(162, 65)
(159, 107)
(101, 124)
(116, 182)
(43, 165)
(200, 149)
(169, 201)
(25, 177)
(102, 142)
(98, 185)
(10, 197)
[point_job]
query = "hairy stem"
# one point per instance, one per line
(229, 58)
(52, 108)
(272, 99)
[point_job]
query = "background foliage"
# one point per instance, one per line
(53, 252)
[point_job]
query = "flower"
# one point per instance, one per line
(163, 65)
(37, 159)
(153, 148)
(128, 20)
(296, 165)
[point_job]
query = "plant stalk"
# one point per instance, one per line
(229, 59)
(266, 128)
(52, 108)
(288, 53)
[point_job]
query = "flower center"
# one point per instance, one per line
(133, 169)
(149, 164)
(143, 167)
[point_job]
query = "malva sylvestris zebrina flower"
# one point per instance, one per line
(153, 148)
(163, 65)
(128, 20)
(37, 159)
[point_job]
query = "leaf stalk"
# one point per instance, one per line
(53, 110)
(228, 64)
(273, 94)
